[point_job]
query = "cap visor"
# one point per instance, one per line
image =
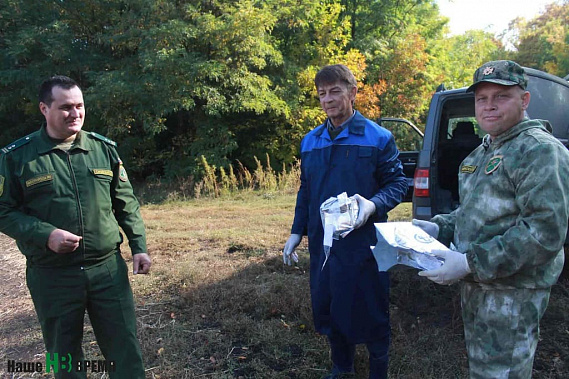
(497, 81)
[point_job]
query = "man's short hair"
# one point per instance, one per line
(333, 74)
(65, 82)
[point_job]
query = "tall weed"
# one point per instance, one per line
(216, 182)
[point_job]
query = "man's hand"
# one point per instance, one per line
(428, 227)
(455, 267)
(289, 254)
(61, 241)
(366, 209)
(141, 263)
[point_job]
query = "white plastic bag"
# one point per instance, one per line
(402, 243)
(338, 216)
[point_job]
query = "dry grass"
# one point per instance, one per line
(220, 304)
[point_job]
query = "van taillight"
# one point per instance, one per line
(421, 182)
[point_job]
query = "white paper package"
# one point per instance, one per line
(338, 216)
(402, 243)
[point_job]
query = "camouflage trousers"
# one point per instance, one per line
(501, 329)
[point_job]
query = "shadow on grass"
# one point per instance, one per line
(257, 323)
(253, 324)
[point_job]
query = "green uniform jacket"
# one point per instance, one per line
(84, 191)
(514, 206)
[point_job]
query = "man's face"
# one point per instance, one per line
(64, 117)
(336, 100)
(499, 107)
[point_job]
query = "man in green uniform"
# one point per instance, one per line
(509, 230)
(63, 195)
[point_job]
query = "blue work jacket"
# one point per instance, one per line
(349, 295)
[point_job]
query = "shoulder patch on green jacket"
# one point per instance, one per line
(103, 138)
(16, 144)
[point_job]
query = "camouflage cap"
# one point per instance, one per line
(506, 73)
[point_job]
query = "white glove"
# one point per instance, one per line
(428, 227)
(455, 267)
(289, 254)
(366, 209)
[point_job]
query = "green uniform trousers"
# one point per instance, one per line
(61, 296)
(501, 330)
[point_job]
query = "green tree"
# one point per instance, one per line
(148, 65)
(37, 42)
(227, 79)
(309, 34)
(543, 42)
(460, 55)
(397, 39)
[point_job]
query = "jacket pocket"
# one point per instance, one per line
(99, 186)
(102, 173)
(39, 182)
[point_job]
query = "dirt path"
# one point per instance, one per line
(20, 335)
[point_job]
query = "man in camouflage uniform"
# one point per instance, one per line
(509, 230)
(63, 195)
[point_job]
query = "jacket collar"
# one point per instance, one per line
(45, 144)
(524, 125)
(355, 126)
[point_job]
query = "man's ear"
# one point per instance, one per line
(354, 91)
(43, 108)
(525, 100)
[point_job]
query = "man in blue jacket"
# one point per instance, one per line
(348, 153)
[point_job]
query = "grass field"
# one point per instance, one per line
(220, 304)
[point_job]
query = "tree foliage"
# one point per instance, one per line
(543, 42)
(172, 81)
(466, 52)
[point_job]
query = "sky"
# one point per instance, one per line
(489, 15)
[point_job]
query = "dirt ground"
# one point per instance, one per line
(20, 337)
(19, 334)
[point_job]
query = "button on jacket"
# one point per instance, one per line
(349, 295)
(84, 191)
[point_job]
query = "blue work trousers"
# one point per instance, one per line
(343, 356)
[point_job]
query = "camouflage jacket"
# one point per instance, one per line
(512, 219)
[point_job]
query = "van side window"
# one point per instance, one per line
(459, 134)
